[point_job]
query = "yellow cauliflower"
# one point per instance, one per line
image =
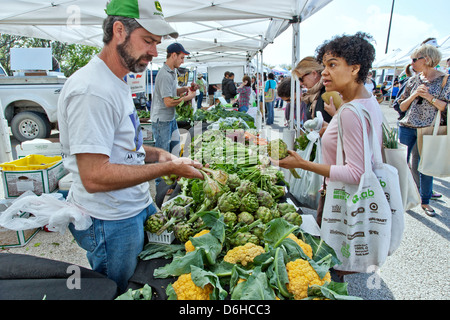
(305, 247)
(243, 254)
(302, 275)
(189, 246)
(186, 289)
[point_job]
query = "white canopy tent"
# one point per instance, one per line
(401, 58)
(213, 31)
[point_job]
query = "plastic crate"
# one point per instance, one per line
(31, 162)
(165, 237)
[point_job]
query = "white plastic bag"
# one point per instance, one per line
(306, 189)
(46, 210)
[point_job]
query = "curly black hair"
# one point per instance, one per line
(355, 50)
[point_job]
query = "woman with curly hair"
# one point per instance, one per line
(347, 61)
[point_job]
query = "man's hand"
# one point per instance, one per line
(187, 168)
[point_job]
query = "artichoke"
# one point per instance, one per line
(241, 238)
(249, 203)
(230, 218)
(155, 222)
(247, 187)
(259, 232)
(229, 201)
(277, 149)
(293, 218)
(275, 213)
(245, 217)
(285, 208)
(233, 181)
(264, 214)
(265, 198)
(175, 214)
(183, 231)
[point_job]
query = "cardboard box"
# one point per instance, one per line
(37, 173)
(38, 146)
(12, 238)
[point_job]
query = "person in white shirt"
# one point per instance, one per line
(103, 146)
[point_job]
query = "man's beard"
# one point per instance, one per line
(129, 61)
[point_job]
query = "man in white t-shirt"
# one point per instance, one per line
(102, 141)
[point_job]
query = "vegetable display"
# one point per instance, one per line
(236, 238)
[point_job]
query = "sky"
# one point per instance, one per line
(413, 21)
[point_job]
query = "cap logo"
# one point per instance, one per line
(158, 9)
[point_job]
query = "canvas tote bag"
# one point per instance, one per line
(357, 219)
(435, 155)
(269, 96)
(429, 130)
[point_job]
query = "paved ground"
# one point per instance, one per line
(418, 270)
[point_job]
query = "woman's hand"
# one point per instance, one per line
(293, 160)
(330, 108)
(422, 91)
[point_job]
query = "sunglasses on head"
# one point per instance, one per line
(415, 59)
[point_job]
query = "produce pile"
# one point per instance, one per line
(235, 239)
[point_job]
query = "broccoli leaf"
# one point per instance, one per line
(180, 265)
(159, 250)
(202, 277)
(277, 230)
(331, 290)
(145, 293)
(256, 287)
(320, 249)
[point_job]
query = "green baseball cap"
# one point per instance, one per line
(147, 13)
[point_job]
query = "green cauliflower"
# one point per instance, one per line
(265, 198)
(229, 201)
(249, 203)
(293, 218)
(247, 187)
(245, 217)
(264, 214)
(230, 218)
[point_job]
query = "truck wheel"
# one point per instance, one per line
(30, 125)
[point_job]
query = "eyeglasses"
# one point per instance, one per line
(415, 59)
(301, 78)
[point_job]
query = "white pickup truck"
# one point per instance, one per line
(30, 104)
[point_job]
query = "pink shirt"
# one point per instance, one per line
(353, 144)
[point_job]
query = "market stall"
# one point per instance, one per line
(243, 200)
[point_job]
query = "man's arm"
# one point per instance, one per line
(99, 175)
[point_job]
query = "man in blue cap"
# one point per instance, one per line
(164, 124)
(102, 141)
